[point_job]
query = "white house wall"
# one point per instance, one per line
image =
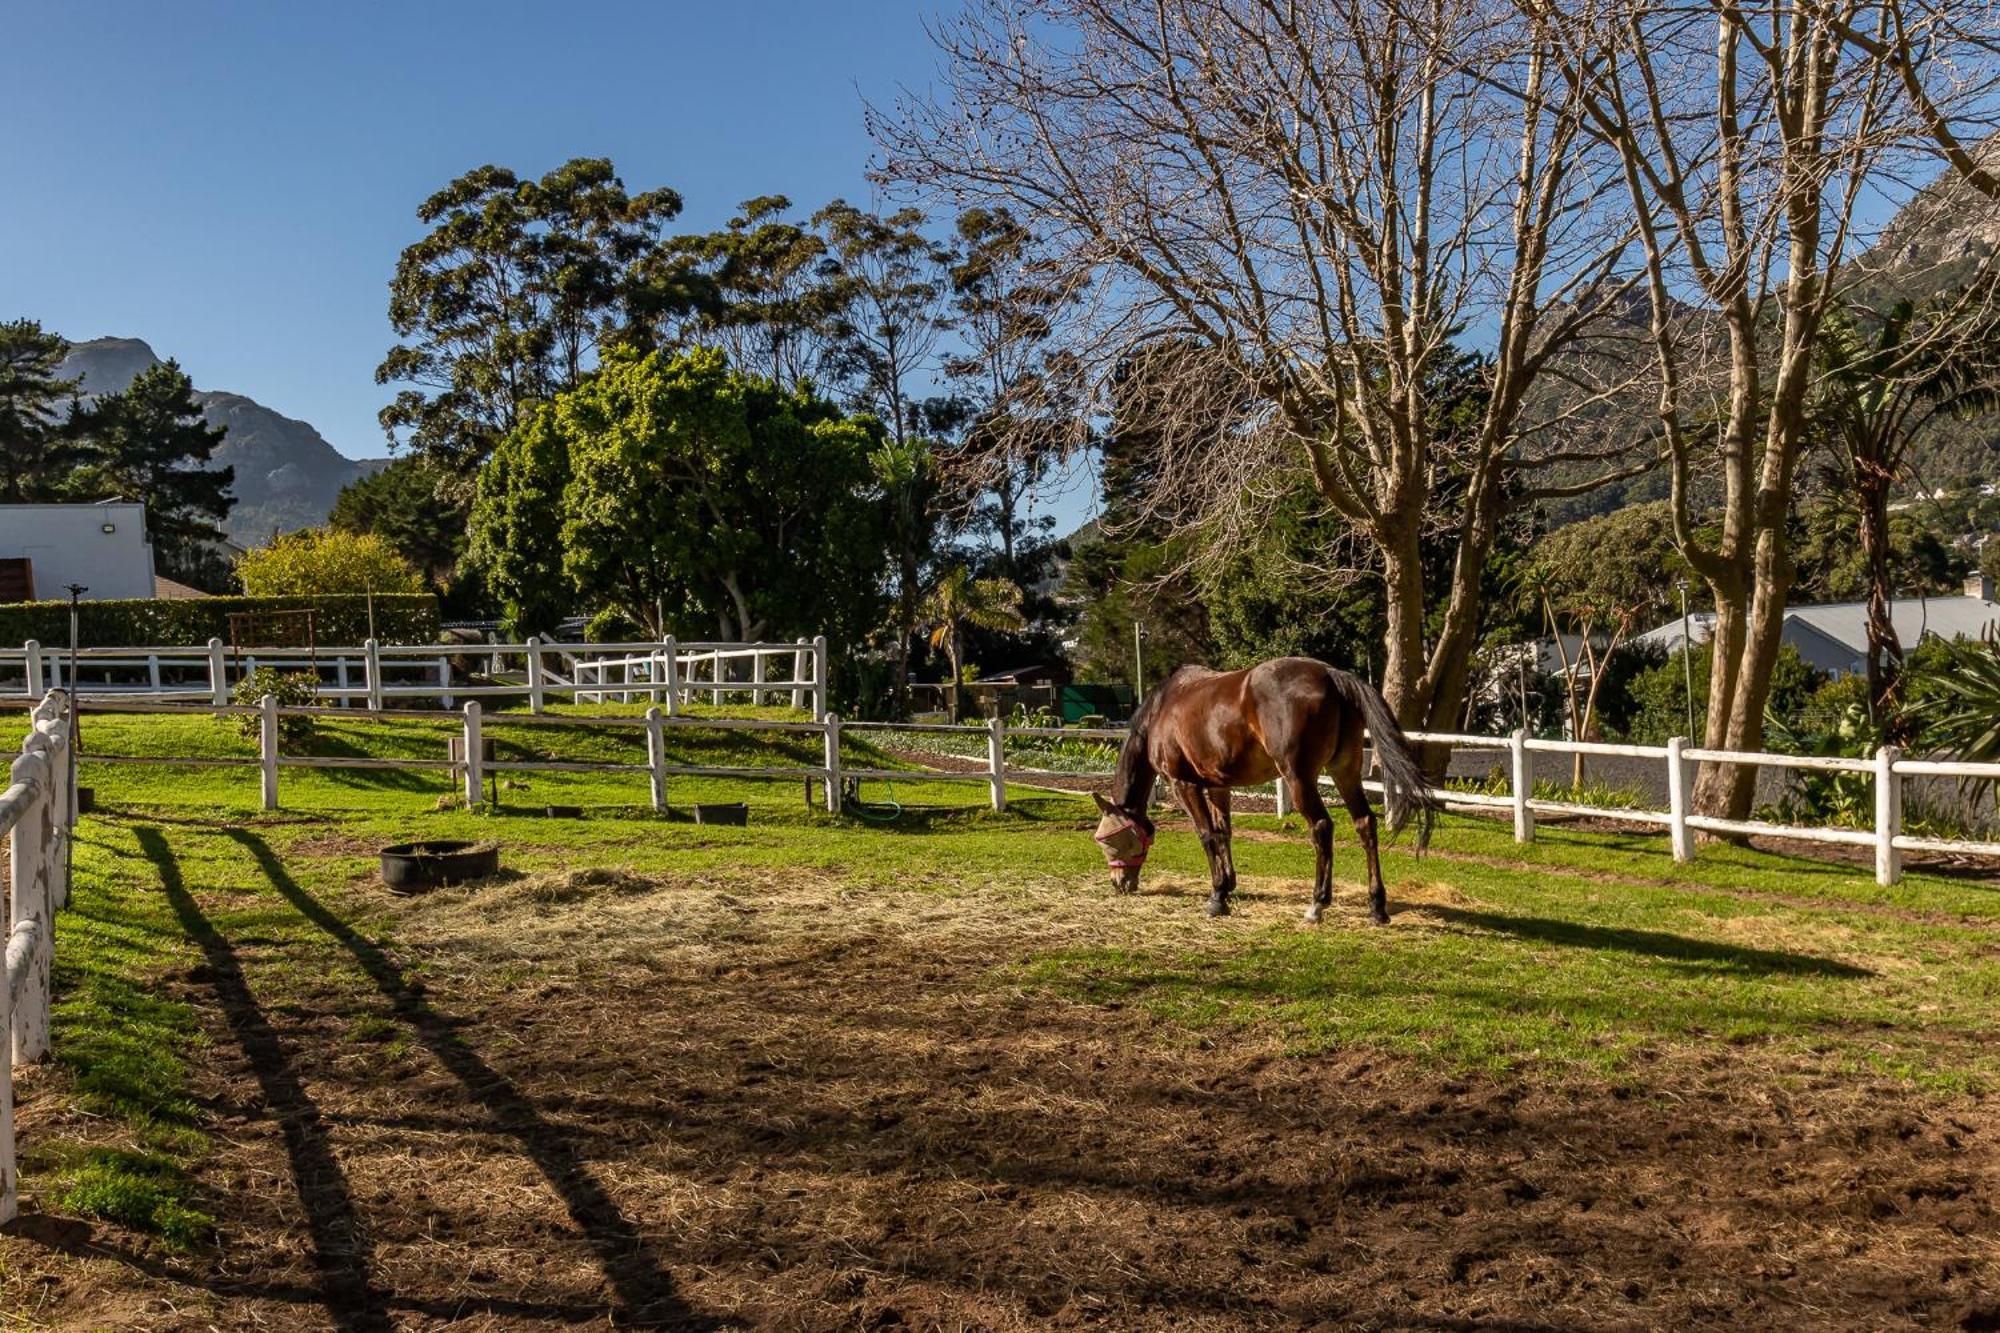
(69, 544)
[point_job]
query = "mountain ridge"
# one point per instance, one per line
(287, 475)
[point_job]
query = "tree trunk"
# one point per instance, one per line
(1885, 650)
(1403, 684)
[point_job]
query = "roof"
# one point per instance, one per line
(1915, 618)
(1834, 635)
(168, 590)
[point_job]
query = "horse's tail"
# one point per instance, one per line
(1406, 793)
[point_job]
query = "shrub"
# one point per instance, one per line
(134, 622)
(319, 561)
(292, 689)
(611, 626)
(1812, 796)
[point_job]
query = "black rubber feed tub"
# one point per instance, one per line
(412, 867)
(731, 813)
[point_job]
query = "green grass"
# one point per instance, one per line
(1580, 956)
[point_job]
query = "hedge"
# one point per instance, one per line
(179, 622)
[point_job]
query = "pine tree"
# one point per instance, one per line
(34, 412)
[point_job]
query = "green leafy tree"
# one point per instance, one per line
(1659, 697)
(405, 505)
(508, 297)
(150, 442)
(1127, 568)
(761, 290)
(721, 498)
(1593, 583)
(1020, 414)
(959, 600)
(34, 440)
(1955, 703)
(323, 561)
(890, 283)
(515, 534)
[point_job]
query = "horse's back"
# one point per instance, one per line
(1237, 727)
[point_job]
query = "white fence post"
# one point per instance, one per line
(1282, 796)
(31, 653)
(799, 672)
(444, 681)
(1523, 783)
(31, 900)
(996, 760)
(153, 672)
(832, 723)
(656, 756)
(756, 677)
(475, 755)
(340, 680)
(820, 699)
(1680, 795)
(10, 1206)
(374, 668)
(671, 657)
(537, 691)
(267, 747)
(1888, 815)
(218, 674)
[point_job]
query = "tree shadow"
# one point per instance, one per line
(642, 1286)
(327, 746)
(341, 1247)
(1648, 943)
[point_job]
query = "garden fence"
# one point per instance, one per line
(1886, 769)
(37, 812)
(373, 675)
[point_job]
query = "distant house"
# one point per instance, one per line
(44, 548)
(1833, 636)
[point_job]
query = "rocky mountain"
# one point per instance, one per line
(1936, 243)
(287, 475)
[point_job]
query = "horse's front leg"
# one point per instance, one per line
(1214, 843)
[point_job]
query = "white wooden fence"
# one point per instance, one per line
(37, 812)
(375, 675)
(1887, 769)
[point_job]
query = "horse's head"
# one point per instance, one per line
(1126, 836)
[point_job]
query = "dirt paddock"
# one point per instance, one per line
(792, 1105)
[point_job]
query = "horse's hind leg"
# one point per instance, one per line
(1347, 778)
(1306, 800)
(1214, 842)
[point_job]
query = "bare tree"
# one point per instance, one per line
(1325, 196)
(1754, 144)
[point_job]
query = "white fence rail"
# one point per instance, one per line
(1887, 769)
(374, 675)
(37, 812)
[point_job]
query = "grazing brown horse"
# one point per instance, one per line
(1207, 731)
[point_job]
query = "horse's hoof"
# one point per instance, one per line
(1218, 907)
(1378, 918)
(1312, 916)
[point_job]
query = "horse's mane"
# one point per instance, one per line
(1134, 769)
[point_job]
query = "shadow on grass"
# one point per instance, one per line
(644, 1289)
(1646, 943)
(341, 1246)
(329, 746)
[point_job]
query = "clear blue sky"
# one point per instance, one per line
(233, 181)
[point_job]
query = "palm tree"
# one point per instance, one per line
(1957, 713)
(1876, 395)
(959, 599)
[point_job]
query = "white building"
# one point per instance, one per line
(1833, 636)
(46, 547)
